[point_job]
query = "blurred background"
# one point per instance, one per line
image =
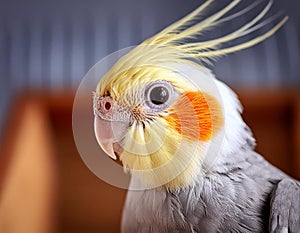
(46, 47)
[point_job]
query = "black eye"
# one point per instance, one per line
(159, 95)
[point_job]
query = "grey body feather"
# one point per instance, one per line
(244, 193)
(239, 192)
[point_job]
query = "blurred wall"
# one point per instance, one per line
(50, 45)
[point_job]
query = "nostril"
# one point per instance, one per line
(107, 106)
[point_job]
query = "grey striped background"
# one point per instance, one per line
(50, 45)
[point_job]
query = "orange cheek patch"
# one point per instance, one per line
(196, 115)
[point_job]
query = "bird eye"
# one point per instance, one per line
(159, 95)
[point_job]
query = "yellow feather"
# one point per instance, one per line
(186, 20)
(170, 46)
(169, 161)
(232, 36)
(172, 34)
(245, 45)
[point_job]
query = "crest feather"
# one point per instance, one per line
(176, 35)
(174, 44)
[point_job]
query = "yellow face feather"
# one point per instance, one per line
(165, 147)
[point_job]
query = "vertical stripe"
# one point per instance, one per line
(46, 49)
(101, 37)
(35, 54)
(67, 53)
(16, 53)
(77, 51)
(56, 54)
(293, 51)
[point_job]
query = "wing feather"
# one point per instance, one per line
(285, 207)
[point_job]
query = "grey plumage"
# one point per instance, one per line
(238, 192)
(285, 207)
(242, 194)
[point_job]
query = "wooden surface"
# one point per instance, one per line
(48, 180)
(27, 197)
(45, 186)
(274, 119)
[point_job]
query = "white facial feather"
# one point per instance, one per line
(235, 133)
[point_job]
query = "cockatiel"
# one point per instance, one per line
(179, 132)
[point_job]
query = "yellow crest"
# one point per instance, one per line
(172, 45)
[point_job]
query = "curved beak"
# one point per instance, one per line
(108, 133)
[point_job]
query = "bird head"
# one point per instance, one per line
(152, 116)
